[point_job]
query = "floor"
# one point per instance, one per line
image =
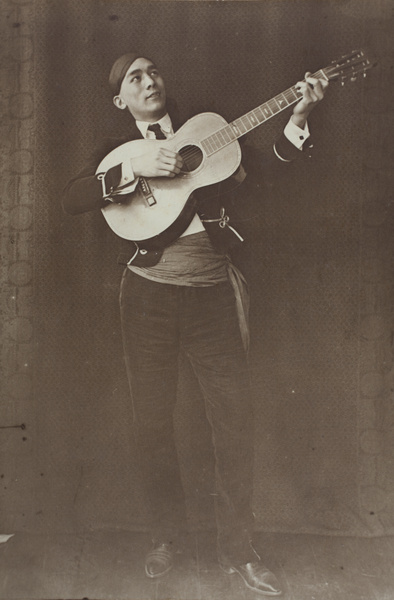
(109, 566)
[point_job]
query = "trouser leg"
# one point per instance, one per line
(211, 337)
(151, 342)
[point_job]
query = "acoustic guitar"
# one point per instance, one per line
(160, 209)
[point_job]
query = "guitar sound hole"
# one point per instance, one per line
(192, 158)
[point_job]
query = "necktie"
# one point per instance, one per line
(155, 127)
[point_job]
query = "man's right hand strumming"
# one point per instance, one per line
(158, 162)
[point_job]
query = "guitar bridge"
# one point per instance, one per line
(147, 192)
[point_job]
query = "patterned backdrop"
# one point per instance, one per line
(321, 272)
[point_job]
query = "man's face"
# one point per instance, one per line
(143, 91)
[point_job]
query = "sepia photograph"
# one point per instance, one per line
(197, 300)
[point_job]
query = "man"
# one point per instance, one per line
(189, 295)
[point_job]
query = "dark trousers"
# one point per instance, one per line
(157, 320)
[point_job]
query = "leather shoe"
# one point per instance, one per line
(257, 577)
(159, 561)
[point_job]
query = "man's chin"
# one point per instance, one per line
(157, 110)
(157, 102)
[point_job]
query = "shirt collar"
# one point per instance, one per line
(165, 123)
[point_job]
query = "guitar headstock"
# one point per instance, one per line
(349, 66)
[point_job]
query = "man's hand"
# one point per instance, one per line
(313, 91)
(158, 162)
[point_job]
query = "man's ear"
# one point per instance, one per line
(119, 103)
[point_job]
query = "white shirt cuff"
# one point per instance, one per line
(296, 135)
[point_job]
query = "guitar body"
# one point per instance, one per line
(160, 209)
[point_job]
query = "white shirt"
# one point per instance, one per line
(165, 125)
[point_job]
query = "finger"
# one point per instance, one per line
(170, 167)
(179, 161)
(169, 174)
(317, 84)
(169, 170)
(312, 89)
(165, 173)
(304, 87)
(172, 161)
(325, 83)
(317, 88)
(312, 81)
(307, 91)
(174, 169)
(168, 153)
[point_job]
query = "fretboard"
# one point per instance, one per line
(253, 119)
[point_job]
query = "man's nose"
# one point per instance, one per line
(149, 81)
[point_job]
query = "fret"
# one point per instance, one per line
(215, 142)
(253, 119)
(221, 138)
(321, 75)
(247, 122)
(259, 115)
(228, 134)
(266, 110)
(212, 144)
(218, 140)
(207, 141)
(282, 102)
(240, 126)
(231, 133)
(274, 106)
(263, 117)
(244, 121)
(235, 129)
(292, 94)
(206, 146)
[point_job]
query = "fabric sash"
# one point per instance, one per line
(192, 261)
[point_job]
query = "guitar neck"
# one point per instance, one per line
(254, 118)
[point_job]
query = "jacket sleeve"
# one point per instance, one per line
(260, 166)
(90, 191)
(286, 151)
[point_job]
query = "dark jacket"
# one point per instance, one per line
(231, 206)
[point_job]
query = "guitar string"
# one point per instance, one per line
(291, 95)
(195, 152)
